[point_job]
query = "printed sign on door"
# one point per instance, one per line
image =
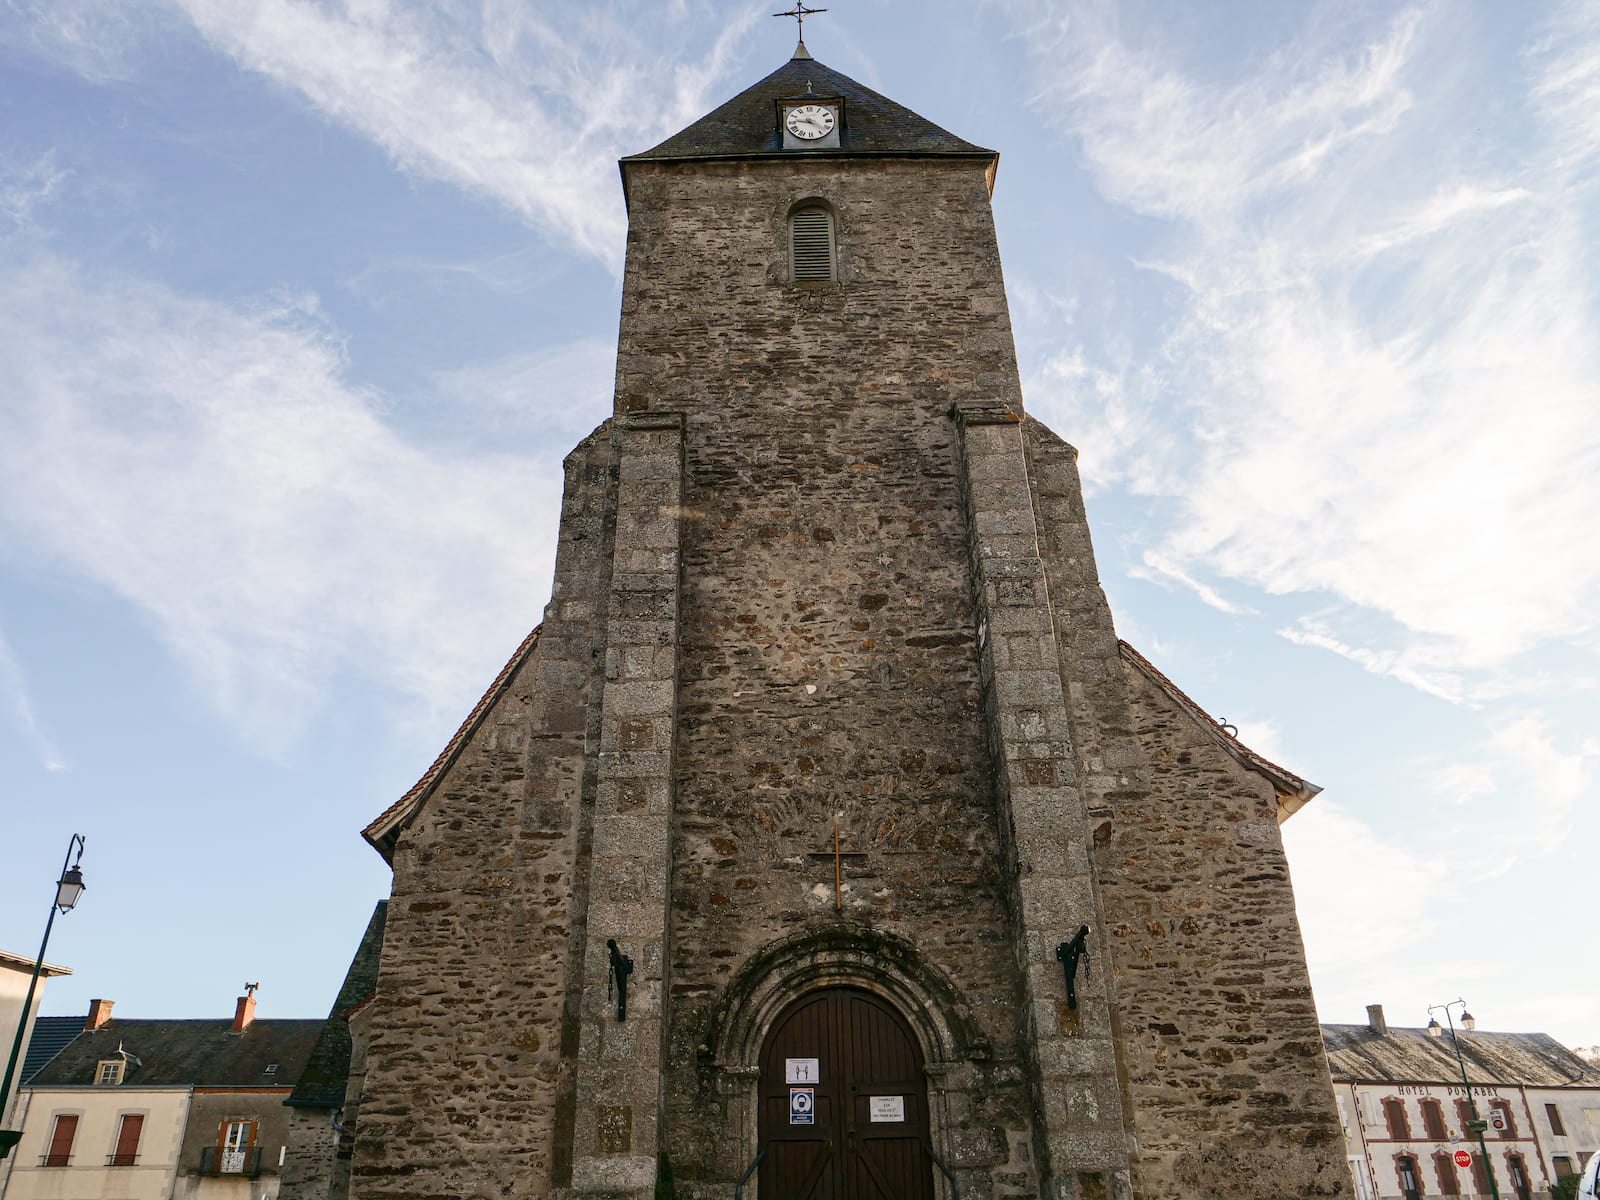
(802, 1106)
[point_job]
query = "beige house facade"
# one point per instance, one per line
(161, 1110)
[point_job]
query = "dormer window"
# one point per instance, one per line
(811, 244)
(108, 1072)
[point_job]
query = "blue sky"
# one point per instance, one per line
(301, 305)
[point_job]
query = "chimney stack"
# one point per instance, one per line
(99, 1013)
(245, 1012)
(1375, 1019)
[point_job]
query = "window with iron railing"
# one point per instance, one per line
(62, 1133)
(126, 1153)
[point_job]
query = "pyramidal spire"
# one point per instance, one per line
(800, 51)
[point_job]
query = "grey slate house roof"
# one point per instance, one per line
(1356, 1054)
(188, 1053)
(322, 1083)
(50, 1037)
(747, 125)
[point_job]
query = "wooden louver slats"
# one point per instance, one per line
(811, 234)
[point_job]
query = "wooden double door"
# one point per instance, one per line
(844, 1103)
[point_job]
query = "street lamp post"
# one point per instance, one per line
(68, 888)
(1477, 1124)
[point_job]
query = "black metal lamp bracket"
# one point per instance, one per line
(1068, 954)
(617, 977)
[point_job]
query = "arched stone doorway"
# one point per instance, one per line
(783, 974)
(843, 1102)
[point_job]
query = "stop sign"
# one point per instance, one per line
(1463, 1159)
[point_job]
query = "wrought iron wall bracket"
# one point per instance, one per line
(621, 966)
(1068, 954)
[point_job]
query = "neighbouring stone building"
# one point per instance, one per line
(1406, 1112)
(161, 1110)
(825, 831)
(325, 1099)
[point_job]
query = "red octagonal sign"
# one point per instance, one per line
(1463, 1159)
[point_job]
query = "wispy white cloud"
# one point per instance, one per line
(24, 186)
(1158, 568)
(212, 465)
(1341, 866)
(19, 704)
(529, 109)
(563, 390)
(1383, 360)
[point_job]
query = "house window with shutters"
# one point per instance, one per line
(1433, 1120)
(61, 1134)
(1394, 1114)
(126, 1151)
(811, 248)
(1553, 1114)
(1561, 1166)
(1444, 1168)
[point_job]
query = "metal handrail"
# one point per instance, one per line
(738, 1188)
(955, 1188)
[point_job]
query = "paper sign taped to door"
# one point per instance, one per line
(887, 1108)
(802, 1106)
(801, 1070)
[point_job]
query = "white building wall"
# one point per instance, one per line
(1374, 1151)
(16, 971)
(1579, 1111)
(87, 1175)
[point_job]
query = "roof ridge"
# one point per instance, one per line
(390, 817)
(1284, 780)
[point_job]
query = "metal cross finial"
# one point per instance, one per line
(800, 12)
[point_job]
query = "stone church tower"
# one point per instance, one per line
(824, 830)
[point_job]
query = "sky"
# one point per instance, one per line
(302, 302)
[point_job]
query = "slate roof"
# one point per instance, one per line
(383, 831)
(200, 1053)
(1358, 1055)
(322, 1083)
(747, 125)
(1293, 792)
(49, 1038)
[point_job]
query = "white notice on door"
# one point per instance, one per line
(800, 1070)
(887, 1108)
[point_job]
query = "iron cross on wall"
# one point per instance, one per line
(838, 855)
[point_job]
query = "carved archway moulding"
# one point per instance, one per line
(843, 955)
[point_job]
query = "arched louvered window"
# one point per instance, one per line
(811, 243)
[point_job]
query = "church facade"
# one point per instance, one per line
(824, 840)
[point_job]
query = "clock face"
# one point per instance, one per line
(809, 121)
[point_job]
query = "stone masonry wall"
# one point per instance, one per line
(1227, 1072)
(308, 1157)
(829, 662)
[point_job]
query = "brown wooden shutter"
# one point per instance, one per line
(1556, 1127)
(1445, 1168)
(128, 1133)
(1433, 1120)
(1394, 1112)
(1480, 1177)
(61, 1136)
